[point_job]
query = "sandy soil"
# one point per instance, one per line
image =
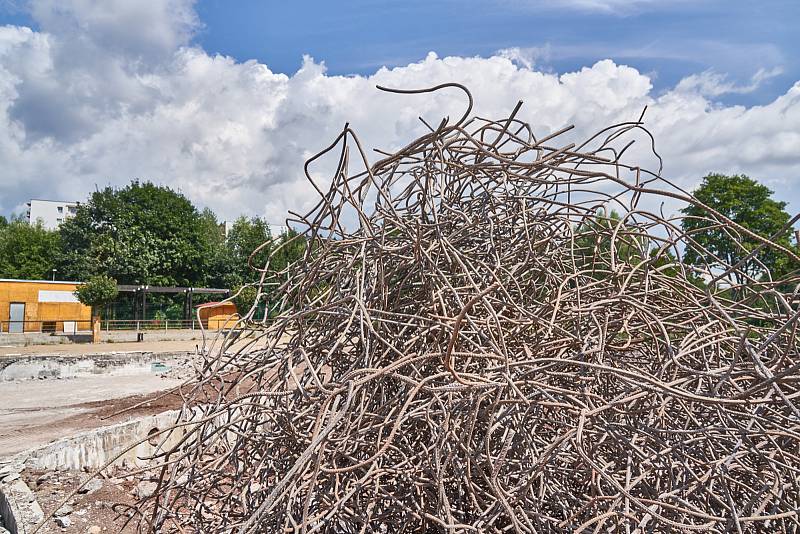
(36, 412)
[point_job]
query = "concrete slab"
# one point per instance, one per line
(34, 413)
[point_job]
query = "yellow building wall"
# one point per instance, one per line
(27, 292)
(218, 322)
(219, 317)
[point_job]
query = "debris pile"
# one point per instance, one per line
(493, 332)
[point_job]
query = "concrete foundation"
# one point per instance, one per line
(121, 363)
(36, 406)
(18, 508)
(94, 449)
(111, 446)
(7, 519)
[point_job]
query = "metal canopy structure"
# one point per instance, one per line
(140, 303)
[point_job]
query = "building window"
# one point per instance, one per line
(59, 220)
(61, 209)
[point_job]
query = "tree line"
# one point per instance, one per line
(142, 234)
(708, 246)
(149, 234)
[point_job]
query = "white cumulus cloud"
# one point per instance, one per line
(713, 84)
(87, 101)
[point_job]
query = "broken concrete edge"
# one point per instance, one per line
(7, 517)
(93, 449)
(66, 358)
(19, 508)
(91, 355)
(22, 512)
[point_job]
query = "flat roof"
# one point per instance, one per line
(57, 201)
(168, 289)
(215, 304)
(38, 281)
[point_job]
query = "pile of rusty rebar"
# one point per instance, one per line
(494, 332)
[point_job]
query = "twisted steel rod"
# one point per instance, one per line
(473, 342)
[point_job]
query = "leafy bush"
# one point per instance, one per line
(245, 299)
(28, 251)
(99, 290)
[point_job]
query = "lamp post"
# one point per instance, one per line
(54, 275)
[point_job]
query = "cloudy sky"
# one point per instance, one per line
(224, 100)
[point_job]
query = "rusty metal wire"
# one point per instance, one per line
(474, 343)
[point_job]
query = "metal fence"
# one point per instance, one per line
(151, 324)
(83, 326)
(61, 326)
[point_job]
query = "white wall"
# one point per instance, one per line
(49, 213)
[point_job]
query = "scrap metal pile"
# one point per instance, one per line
(490, 332)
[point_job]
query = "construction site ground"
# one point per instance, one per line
(36, 412)
(102, 510)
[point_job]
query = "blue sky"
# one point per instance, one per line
(670, 39)
(667, 39)
(215, 98)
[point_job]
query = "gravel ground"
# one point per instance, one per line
(85, 513)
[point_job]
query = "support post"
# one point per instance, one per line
(190, 307)
(95, 327)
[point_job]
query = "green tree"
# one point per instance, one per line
(141, 234)
(218, 265)
(593, 242)
(244, 299)
(245, 236)
(746, 202)
(290, 247)
(98, 291)
(27, 251)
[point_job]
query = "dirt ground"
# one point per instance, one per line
(36, 412)
(37, 425)
(103, 508)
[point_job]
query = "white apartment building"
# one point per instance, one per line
(51, 212)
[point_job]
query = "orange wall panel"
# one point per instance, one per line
(27, 292)
(220, 316)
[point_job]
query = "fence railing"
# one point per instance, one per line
(61, 326)
(81, 326)
(150, 324)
